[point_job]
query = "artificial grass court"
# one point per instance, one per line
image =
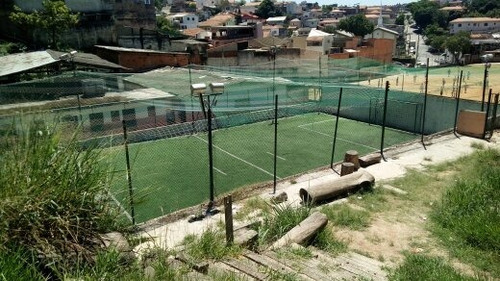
(171, 174)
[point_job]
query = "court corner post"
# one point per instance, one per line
(457, 104)
(336, 128)
(422, 129)
(487, 114)
(387, 85)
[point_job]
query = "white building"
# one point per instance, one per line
(185, 20)
(276, 20)
(475, 25)
(319, 41)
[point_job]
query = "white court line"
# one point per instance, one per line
(348, 141)
(317, 122)
(220, 171)
(242, 160)
(120, 206)
(272, 154)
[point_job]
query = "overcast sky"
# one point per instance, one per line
(361, 2)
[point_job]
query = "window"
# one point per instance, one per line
(147, 2)
(485, 24)
(459, 25)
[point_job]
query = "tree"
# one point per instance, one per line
(329, 29)
(267, 9)
(400, 20)
(438, 42)
(55, 17)
(167, 26)
(426, 13)
(358, 25)
(458, 44)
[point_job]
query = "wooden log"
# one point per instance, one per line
(337, 187)
(302, 233)
(228, 215)
(352, 156)
(347, 168)
(370, 159)
(245, 237)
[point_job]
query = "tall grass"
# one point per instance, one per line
(53, 195)
(468, 215)
(279, 221)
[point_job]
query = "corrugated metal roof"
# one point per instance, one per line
(89, 59)
(17, 63)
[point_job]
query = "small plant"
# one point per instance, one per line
(326, 241)
(210, 245)
(477, 145)
(301, 252)
(347, 217)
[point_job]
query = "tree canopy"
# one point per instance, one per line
(267, 9)
(358, 25)
(55, 17)
(427, 12)
(458, 44)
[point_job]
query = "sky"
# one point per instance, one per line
(361, 2)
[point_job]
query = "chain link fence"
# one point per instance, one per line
(168, 138)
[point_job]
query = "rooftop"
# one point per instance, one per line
(479, 19)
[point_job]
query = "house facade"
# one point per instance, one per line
(475, 25)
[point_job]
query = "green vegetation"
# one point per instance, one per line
(421, 267)
(343, 215)
(55, 18)
(326, 241)
(282, 219)
(267, 9)
(10, 48)
(467, 217)
(358, 25)
(54, 200)
(210, 245)
(168, 27)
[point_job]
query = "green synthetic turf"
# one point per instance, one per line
(171, 174)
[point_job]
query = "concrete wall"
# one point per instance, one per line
(142, 61)
(249, 57)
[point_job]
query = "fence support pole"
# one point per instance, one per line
(210, 155)
(485, 78)
(487, 114)
(228, 216)
(336, 127)
(275, 141)
(422, 129)
(495, 107)
(129, 173)
(458, 102)
(383, 120)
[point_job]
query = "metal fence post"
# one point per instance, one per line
(383, 120)
(275, 141)
(487, 114)
(495, 107)
(129, 173)
(336, 127)
(422, 129)
(458, 102)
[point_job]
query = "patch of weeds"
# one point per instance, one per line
(210, 245)
(273, 275)
(381, 258)
(282, 218)
(374, 239)
(293, 252)
(137, 240)
(293, 181)
(347, 217)
(428, 159)
(374, 200)
(251, 205)
(421, 267)
(477, 145)
(326, 241)
(467, 216)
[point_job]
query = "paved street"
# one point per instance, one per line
(421, 50)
